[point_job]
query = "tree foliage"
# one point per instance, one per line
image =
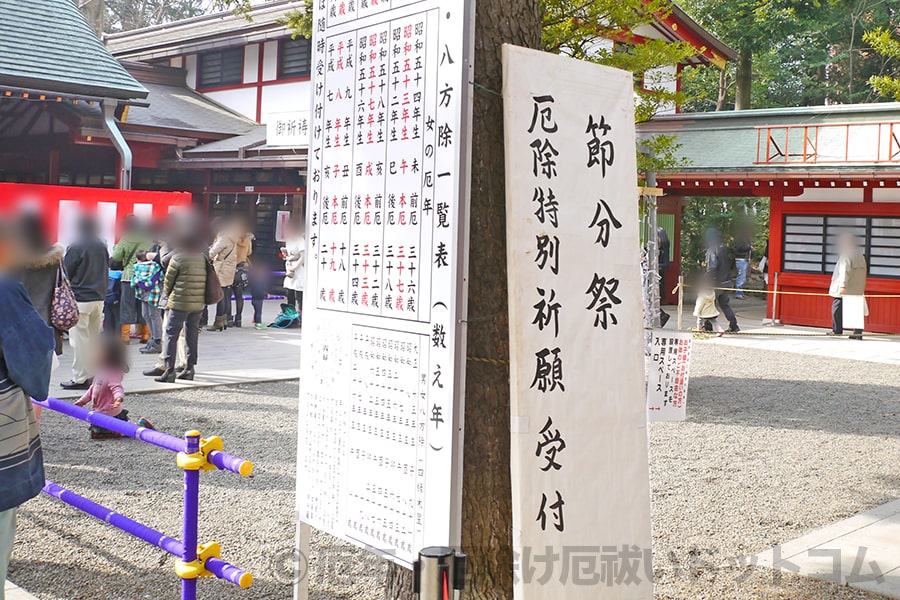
(583, 29)
(125, 15)
(726, 215)
(803, 52)
(886, 45)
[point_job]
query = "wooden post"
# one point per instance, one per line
(680, 301)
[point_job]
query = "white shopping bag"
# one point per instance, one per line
(854, 312)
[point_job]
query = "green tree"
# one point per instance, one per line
(582, 30)
(125, 15)
(726, 215)
(886, 45)
(748, 26)
(814, 53)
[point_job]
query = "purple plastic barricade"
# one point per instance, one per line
(194, 455)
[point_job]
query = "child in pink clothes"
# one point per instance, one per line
(106, 393)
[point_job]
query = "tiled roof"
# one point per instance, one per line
(729, 141)
(46, 45)
(256, 137)
(179, 107)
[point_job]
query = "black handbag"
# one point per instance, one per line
(213, 291)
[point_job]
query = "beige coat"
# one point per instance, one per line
(705, 308)
(245, 247)
(223, 253)
(849, 275)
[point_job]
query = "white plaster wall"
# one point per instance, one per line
(285, 97)
(829, 194)
(270, 61)
(886, 194)
(648, 31)
(662, 78)
(190, 64)
(240, 100)
(251, 63)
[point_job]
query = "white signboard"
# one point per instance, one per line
(383, 349)
(290, 129)
(580, 473)
(281, 220)
(667, 375)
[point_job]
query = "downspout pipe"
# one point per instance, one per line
(112, 129)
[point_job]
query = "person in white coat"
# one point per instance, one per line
(294, 252)
(849, 279)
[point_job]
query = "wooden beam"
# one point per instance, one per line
(650, 191)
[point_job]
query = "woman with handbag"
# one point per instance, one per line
(39, 269)
(223, 254)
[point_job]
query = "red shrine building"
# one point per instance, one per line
(214, 107)
(826, 170)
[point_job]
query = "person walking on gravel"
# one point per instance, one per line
(718, 266)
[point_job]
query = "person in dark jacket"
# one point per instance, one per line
(184, 289)
(38, 267)
(718, 265)
(742, 252)
(86, 264)
(26, 349)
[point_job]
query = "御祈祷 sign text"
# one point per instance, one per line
(381, 359)
(667, 377)
(579, 424)
(288, 129)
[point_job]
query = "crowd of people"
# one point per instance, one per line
(717, 283)
(158, 284)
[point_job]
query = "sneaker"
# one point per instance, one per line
(259, 326)
(720, 331)
(74, 385)
(734, 329)
(152, 347)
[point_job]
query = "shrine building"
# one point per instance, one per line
(825, 169)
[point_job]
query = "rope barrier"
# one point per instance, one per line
(701, 333)
(778, 292)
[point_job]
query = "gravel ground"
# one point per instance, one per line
(776, 444)
(61, 554)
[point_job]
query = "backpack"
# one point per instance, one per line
(288, 318)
